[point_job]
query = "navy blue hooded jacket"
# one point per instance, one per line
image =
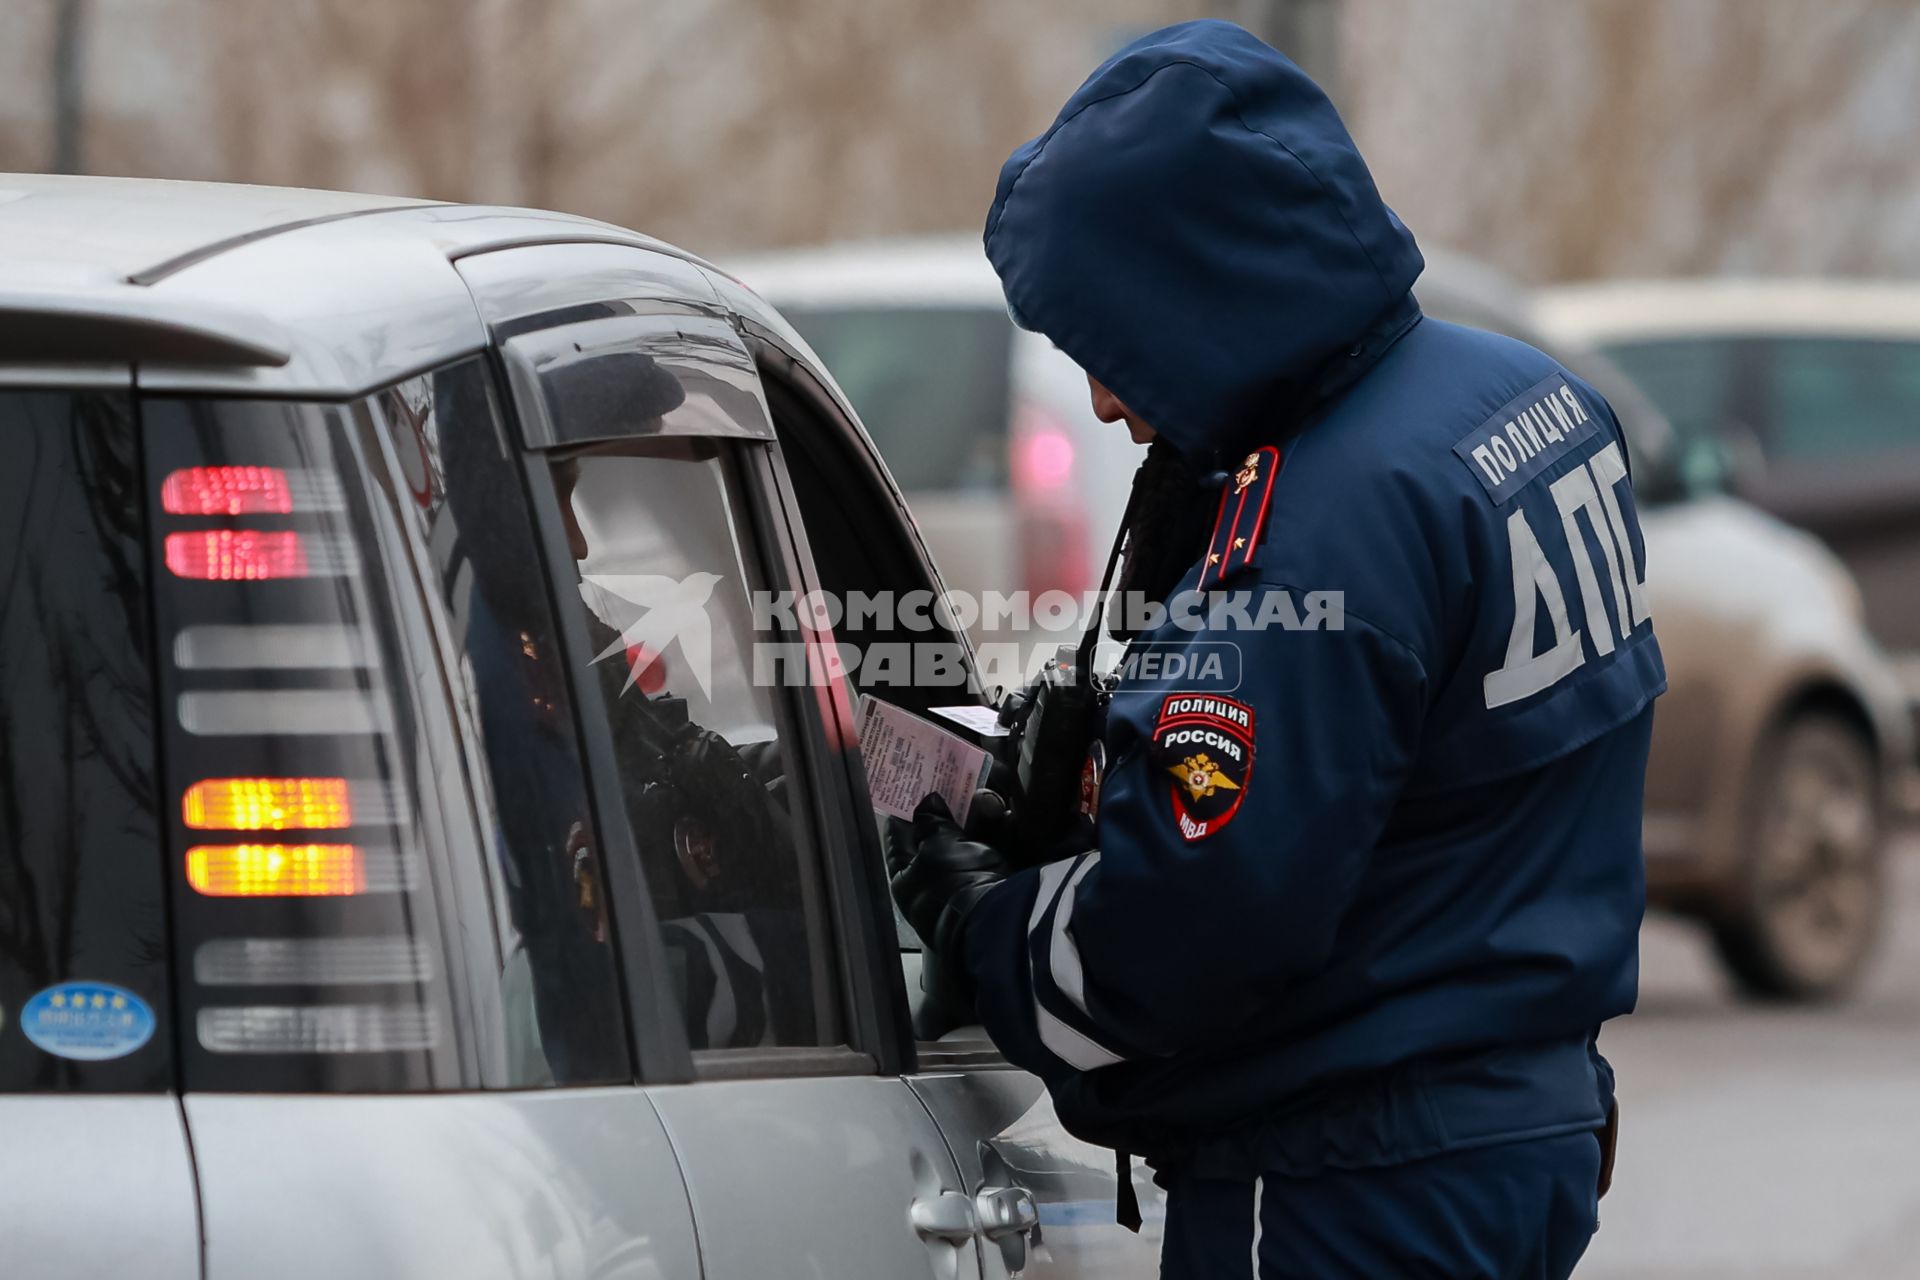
(1365, 890)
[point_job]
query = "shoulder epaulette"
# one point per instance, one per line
(1242, 519)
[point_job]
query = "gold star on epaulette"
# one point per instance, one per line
(1213, 558)
(1238, 543)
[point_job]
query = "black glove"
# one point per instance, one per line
(990, 818)
(938, 875)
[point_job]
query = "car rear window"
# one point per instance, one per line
(931, 385)
(84, 1001)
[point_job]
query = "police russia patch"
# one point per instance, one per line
(1204, 744)
(1530, 433)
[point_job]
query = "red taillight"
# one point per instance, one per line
(1043, 452)
(227, 491)
(1043, 460)
(236, 555)
(1053, 522)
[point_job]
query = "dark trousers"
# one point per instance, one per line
(1519, 1211)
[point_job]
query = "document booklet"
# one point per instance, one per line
(908, 758)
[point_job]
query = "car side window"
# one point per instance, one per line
(665, 567)
(1690, 380)
(859, 544)
(1830, 398)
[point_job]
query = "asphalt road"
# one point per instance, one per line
(1767, 1143)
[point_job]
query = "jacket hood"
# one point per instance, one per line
(1198, 231)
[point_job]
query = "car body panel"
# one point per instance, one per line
(66, 373)
(1005, 1133)
(101, 230)
(360, 288)
(513, 283)
(813, 1177)
(563, 1183)
(368, 307)
(378, 298)
(97, 1187)
(1753, 616)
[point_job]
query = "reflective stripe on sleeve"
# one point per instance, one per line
(1071, 1046)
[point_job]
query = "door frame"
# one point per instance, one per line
(794, 377)
(523, 289)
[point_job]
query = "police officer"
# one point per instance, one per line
(1359, 907)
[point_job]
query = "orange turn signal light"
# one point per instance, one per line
(268, 804)
(276, 870)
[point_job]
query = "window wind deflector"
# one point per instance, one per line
(631, 376)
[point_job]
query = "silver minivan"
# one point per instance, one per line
(410, 863)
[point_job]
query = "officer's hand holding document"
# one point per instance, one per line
(909, 758)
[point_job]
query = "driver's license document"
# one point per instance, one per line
(908, 758)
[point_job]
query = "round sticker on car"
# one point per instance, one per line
(87, 1021)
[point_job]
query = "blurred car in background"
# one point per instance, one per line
(1812, 391)
(987, 428)
(1779, 748)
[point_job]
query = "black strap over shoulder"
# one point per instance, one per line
(1126, 1201)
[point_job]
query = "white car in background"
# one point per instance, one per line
(988, 429)
(1782, 741)
(1812, 390)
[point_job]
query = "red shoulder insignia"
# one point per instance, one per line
(1242, 518)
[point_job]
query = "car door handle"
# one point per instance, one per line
(947, 1216)
(1003, 1211)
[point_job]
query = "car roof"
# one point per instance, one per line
(60, 227)
(1621, 310)
(215, 286)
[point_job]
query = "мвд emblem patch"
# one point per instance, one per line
(1205, 744)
